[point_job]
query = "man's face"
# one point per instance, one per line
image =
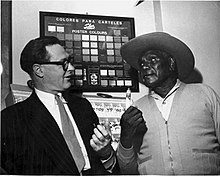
(154, 68)
(55, 78)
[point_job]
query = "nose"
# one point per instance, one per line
(70, 67)
(145, 65)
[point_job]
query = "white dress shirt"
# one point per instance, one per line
(164, 104)
(50, 103)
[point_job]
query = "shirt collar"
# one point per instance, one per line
(48, 97)
(175, 87)
(45, 96)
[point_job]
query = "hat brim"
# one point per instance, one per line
(136, 47)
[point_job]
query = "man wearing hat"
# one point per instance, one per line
(175, 129)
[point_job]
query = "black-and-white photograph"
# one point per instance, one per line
(110, 87)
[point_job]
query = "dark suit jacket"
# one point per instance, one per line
(32, 143)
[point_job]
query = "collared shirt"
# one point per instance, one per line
(165, 104)
(50, 103)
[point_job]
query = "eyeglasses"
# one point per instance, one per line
(65, 63)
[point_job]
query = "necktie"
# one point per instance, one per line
(70, 136)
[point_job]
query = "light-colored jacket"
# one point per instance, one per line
(188, 143)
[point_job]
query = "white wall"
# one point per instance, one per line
(196, 23)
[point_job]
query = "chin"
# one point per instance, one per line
(67, 86)
(149, 82)
(149, 85)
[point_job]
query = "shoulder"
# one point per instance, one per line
(201, 87)
(74, 97)
(77, 100)
(17, 106)
(13, 114)
(202, 90)
(142, 101)
(21, 108)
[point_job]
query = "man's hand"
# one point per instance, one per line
(101, 142)
(129, 122)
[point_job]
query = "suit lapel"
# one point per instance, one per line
(45, 128)
(78, 118)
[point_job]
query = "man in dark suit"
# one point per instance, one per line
(33, 137)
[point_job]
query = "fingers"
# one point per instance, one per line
(100, 139)
(132, 115)
(103, 131)
(96, 140)
(107, 127)
(101, 135)
(132, 111)
(104, 151)
(136, 120)
(94, 145)
(130, 121)
(131, 108)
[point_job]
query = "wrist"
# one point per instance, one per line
(126, 142)
(106, 152)
(107, 157)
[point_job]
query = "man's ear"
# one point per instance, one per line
(38, 71)
(172, 63)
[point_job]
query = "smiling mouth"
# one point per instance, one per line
(68, 77)
(148, 76)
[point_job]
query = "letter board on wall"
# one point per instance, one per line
(94, 42)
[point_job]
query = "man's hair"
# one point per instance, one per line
(35, 52)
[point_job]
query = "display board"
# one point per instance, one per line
(94, 43)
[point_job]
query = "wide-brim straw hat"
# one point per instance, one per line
(136, 47)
